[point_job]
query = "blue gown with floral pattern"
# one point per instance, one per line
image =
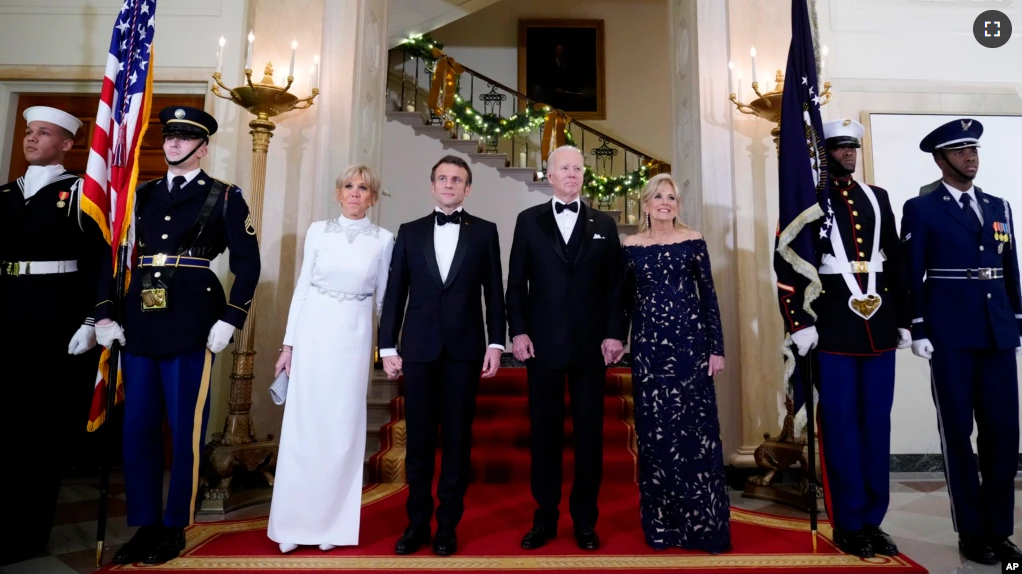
(675, 328)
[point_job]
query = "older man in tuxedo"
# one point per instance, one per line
(566, 321)
(443, 266)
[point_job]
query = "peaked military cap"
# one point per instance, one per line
(185, 121)
(956, 134)
(843, 132)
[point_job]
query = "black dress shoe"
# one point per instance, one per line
(1005, 550)
(445, 543)
(537, 537)
(169, 545)
(976, 549)
(411, 540)
(138, 548)
(587, 539)
(881, 541)
(855, 543)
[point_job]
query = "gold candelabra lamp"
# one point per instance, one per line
(237, 447)
(768, 105)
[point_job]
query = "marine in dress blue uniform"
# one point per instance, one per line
(967, 316)
(862, 319)
(50, 254)
(175, 318)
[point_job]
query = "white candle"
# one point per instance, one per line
(740, 87)
(248, 55)
(409, 108)
(521, 159)
(466, 136)
(730, 76)
(752, 53)
(315, 63)
(294, 48)
(220, 55)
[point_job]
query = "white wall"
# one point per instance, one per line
(637, 48)
(885, 55)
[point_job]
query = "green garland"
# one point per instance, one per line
(422, 47)
(604, 189)
(491, 125)
(599, 187)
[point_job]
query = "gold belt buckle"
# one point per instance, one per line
(159, 260)
(860, 266)
(154, 299)
(986, 273)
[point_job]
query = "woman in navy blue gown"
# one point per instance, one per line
(676, 346)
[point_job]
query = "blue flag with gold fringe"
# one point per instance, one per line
(803, 182)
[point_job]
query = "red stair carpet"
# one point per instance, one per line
(498, 511)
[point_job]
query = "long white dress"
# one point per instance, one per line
(317, 494)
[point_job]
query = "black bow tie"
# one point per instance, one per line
(560, 207)
(443, 219)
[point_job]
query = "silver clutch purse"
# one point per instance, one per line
(278, 390)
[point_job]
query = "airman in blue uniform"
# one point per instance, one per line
(967, 317)
(175, 319)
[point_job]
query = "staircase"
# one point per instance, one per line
(412, 142)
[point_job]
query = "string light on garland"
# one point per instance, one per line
(489, 125)
(605, 189)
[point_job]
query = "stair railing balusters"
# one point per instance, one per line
(404, 78)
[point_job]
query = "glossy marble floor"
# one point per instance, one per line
(919, 519)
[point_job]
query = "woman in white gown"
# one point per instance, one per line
(317, 494)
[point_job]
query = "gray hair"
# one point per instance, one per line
(550, 158)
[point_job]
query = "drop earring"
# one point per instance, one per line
(649, 222)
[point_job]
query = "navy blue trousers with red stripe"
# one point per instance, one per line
(856, 395)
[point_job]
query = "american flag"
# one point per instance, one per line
(112, 173)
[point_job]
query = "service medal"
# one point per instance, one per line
(62, 197)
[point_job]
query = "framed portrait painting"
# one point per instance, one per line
(561, 63)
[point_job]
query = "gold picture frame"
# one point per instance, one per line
(561, 63)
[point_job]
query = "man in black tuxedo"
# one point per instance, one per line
(566, 320)
(438, 266)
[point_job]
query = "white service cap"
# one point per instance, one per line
(53, 116)
(843, 129)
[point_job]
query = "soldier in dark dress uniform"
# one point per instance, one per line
(967, 317)
(175, 318)
(50, 257)
(862, 319)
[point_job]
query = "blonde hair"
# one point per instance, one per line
(367, 174)
(651, 188)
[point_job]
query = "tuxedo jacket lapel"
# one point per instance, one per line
(464, 236)
(587, 229)
(429, 251)
(548, 225)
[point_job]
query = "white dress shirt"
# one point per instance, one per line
(957, 196)
(566, 219)
(39, 176)
(188, 177)
(445, 242)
